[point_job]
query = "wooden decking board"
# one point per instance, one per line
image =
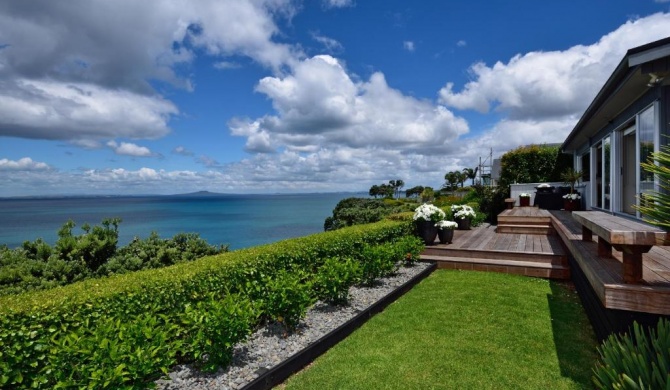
(484, 249)
(605, 274)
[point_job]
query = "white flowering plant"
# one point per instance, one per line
(463, 211)
(446, 225)
(572, 197)
(428, 212)
(524, 195)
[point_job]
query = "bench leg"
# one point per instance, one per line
(632, 267)
(604, 248)
(632, 262)
(587, 234)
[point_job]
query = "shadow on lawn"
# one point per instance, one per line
(574, 339)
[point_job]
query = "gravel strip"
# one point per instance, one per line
(267, 347)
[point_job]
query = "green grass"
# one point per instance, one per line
(465, 330)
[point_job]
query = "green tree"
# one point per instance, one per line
(414, 191)
(427, 194)
(451, 180)
(533, 164)
(471, 173)
(397, 185)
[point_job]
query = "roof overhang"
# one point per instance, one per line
(630, 80)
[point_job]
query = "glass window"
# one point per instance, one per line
(607, 180)
(586, 167)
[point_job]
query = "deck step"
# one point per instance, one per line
(525, 229)
(447, 251)
(517, 267)
(510, 220)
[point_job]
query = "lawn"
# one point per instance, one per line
(465, 330)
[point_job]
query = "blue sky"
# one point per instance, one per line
(264, 96)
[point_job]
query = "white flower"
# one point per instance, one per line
(462, 211)
(572, 196)
(446, 225)
(428, 212)
(524, 195)
(543, 185)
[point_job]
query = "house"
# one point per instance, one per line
(627, 121)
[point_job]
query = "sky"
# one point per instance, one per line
(282, 96)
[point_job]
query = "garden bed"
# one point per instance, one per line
(269, 356)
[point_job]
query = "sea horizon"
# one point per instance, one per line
(237, 220)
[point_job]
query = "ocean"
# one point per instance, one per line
(238, 220)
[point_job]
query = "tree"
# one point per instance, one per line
(533, 164)
(452, 179)
(374, 191)
(396, 185)
(427, 194)
(471, 174)
(461, 178)
(414, 191)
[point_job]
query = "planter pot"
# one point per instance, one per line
(524, 201)
(463, 224)
(445, 235)
(571, 205)
(427, 231)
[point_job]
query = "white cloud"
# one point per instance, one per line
(552, 84)
(129, 149)
(227, 65)
(320, 106)
(182, 151)
(81, 70)
(331, 45)
(23, 164)
(461, 43)
(408, 45)
(79, 112)
(338, 3)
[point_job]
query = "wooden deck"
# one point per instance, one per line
(605, 274)
(546, 255)
(483, 249)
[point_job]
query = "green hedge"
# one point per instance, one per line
(123, 331)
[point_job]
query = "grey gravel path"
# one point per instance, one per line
(267, 347)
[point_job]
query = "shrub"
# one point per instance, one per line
(357, 211)
(214, 326)
(36, 265)
(114, 352)
(335, 277)
(532, 164)
(34, 326)
(287, 298)
(409, 248)
(635, 361)
(655, 205)
(378, 261)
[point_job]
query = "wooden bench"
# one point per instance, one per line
(629, 237)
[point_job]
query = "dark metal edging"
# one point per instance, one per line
(285, 369)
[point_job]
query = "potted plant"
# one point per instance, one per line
(524, 199)
(571, 201)
(425, 218)
(445, 231)
(463, 215)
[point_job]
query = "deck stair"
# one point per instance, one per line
(485, 250)
(525, 220)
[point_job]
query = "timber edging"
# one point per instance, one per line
(295, 363)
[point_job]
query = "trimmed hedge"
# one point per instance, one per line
(125, 330)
